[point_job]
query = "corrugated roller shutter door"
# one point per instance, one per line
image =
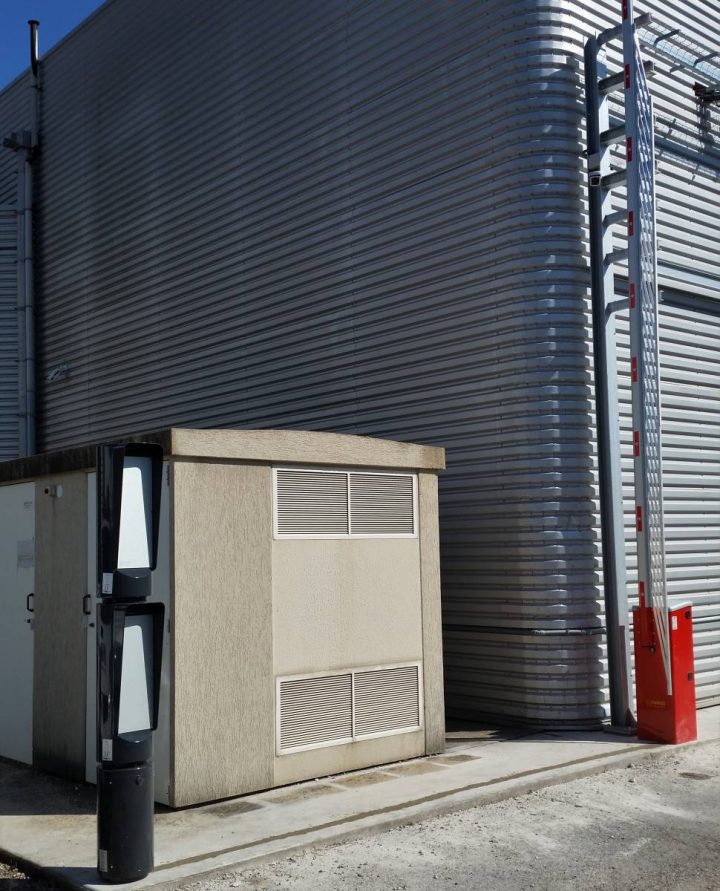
(690, 379)
(8, 335)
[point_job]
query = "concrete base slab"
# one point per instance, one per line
(49, 824)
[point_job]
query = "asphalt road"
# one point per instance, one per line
(653, 825)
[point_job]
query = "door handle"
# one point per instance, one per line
(86, 605)
(30, 609)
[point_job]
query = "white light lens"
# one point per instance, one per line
(136, 677)
(134, 547)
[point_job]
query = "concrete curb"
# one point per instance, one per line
(412, 812)
(499, 790)
(185, 872)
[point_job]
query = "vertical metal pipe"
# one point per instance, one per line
(607, 407)
(29, 277)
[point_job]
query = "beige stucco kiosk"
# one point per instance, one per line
(300, 573)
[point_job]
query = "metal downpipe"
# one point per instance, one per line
(29, 277)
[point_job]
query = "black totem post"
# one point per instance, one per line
(129, 654)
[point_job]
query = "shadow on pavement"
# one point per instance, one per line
(27, 792)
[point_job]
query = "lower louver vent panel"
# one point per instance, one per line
(386, 700)
(314, 711)
(339, 708)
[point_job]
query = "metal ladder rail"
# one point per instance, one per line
(637, 175)
(601, 182)
(644, 350)
(638, 216)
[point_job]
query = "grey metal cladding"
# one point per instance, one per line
(691, 469)
(688, 213)
(688, 216)
(273, 250)
(8, 334)
(357, 217)
(14, 117)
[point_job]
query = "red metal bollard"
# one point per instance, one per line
(664, 717)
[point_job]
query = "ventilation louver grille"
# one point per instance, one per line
(314, 711)
(340, 708)
(344, 503)
(381, 504)
(386, 700)
(310, 503)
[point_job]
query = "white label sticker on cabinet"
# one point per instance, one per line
(107, 750)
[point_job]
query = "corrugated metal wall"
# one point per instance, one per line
(691, 452)
(688, 212)
(361, 217)
(14, 116)
(8, 334)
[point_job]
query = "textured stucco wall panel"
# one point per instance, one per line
(223, 693)
(341, 604)
(340, 759)
(431, 613)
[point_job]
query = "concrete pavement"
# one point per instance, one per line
(49, 824)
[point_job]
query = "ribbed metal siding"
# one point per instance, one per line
(360, 217)
(691, 465)
(14, 117)
(8, 335)
(14, 110)
(688, 213)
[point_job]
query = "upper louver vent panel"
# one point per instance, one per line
(342, 504)
(311, 503)
(382, 504)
